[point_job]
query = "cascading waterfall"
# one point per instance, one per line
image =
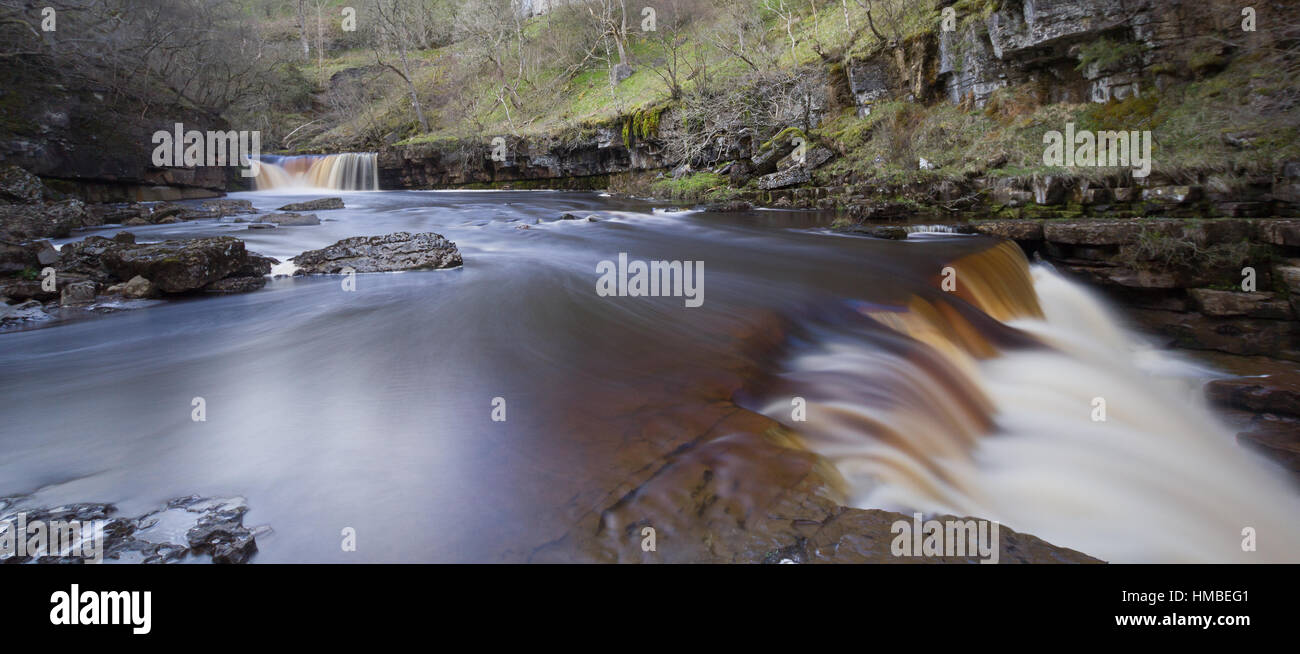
(350, 171)
(950, 415)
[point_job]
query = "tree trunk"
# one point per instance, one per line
(302, 30)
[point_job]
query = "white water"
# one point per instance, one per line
(1160, 480)
(350, 171)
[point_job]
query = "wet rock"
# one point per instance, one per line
(178, 266)
(734, 206)
(255, 265)
(1277, 437)
(186, 527)
(124, 237)
(1234, 335)
(398, 251)
(78, 294)
(135, 222)
(890, 232)
(1276, 392)
(228, 207)
(291, 219)
(160, 212)
(118, 213)
(236, 285)
(320, 204)
(30, 311)
(262, 226)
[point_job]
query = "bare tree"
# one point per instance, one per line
(302, 30)
(393, 33)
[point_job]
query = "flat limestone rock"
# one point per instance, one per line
(390, 252)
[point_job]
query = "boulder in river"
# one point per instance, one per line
(291, 219)
(137, 288)
(320, 204)
(228, 207)
(178, 266)
(78, 294)
(398, 251)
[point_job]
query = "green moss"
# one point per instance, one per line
(784, 135)
(696, 187)
(642, 124)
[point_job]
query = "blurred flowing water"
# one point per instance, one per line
(372, 409)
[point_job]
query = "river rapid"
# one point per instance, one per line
(374, 409)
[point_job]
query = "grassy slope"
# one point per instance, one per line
(1188, 119)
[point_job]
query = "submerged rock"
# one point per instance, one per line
(320, 204)
(291, 219)
(398, 251)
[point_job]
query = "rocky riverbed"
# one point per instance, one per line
(40, 284)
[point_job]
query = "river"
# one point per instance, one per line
(373, 409)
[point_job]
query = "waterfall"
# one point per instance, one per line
(350, 171)
(933, 407)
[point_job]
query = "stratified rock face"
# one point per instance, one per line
(398, 251)
(320, 204)
(178, 266)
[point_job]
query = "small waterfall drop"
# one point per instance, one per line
(349, 171)
(922, 409)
